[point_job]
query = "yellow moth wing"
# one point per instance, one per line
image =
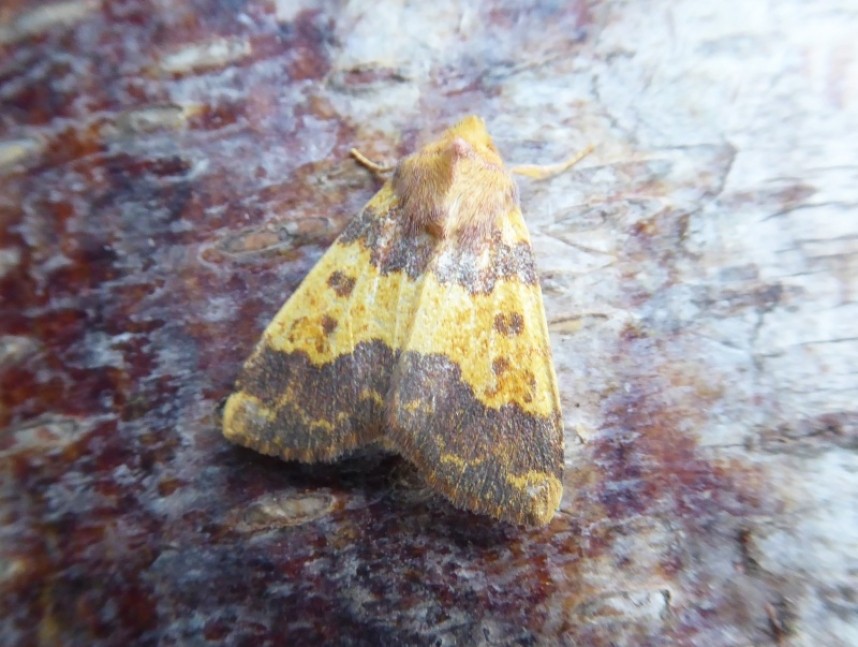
(474, 400)
(499, 338)
(314, 387)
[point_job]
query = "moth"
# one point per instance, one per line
(421, 331)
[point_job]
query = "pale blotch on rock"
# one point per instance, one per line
(283, 509)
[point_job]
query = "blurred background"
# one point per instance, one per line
(169, 172)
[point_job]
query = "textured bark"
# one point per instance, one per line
(170, 171)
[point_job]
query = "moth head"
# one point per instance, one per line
(456, 185)
(471, 136)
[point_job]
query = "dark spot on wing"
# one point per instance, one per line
(341, 283)
(509, 325)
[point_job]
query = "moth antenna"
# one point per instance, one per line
(543, 172)
(375, 167)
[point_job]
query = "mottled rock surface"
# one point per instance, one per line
(169, 171)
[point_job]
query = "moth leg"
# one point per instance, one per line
(375, 167)
(543, 172)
